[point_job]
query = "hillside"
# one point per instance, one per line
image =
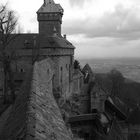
(129, 93)
(129, 67)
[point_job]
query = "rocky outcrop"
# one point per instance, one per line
(35, 114)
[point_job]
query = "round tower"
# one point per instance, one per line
(49, 17)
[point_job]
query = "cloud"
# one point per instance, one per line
(105, 47)
(78, 3)
(123, 23)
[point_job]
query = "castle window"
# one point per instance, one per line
(48, 71)
(1, 89)
(61, 73)
(26, 43)
(94, 111)
(66, 66)
(53, 79)
(21, 70)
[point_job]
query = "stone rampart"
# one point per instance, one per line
(35, 114)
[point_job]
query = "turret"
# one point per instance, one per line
(50, 17)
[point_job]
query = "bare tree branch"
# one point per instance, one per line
(2, 8)
(8, 22)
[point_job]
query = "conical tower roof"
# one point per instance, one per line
(50, 6)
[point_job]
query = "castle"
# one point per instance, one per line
(48, 43)
(44, 68)
(42, 71)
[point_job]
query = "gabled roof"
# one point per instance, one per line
(87, 68)
(50, 7)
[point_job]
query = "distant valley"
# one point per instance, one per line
(129, 67)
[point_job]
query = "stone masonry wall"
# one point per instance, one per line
(35, 114)
(49, 122)
(16, 124)
(64, 63)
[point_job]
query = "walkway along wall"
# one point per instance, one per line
(35, 114)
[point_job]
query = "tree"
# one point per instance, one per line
(8, 22)
(117, 81)
(77, 65)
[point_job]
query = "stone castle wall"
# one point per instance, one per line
(47, 28)
(35, 114)
(64, 74)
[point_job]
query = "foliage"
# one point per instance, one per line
(77, 65)
(8, 22)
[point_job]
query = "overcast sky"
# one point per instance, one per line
(97, 28)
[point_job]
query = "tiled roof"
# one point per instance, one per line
(23, 41)
(87, 68)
